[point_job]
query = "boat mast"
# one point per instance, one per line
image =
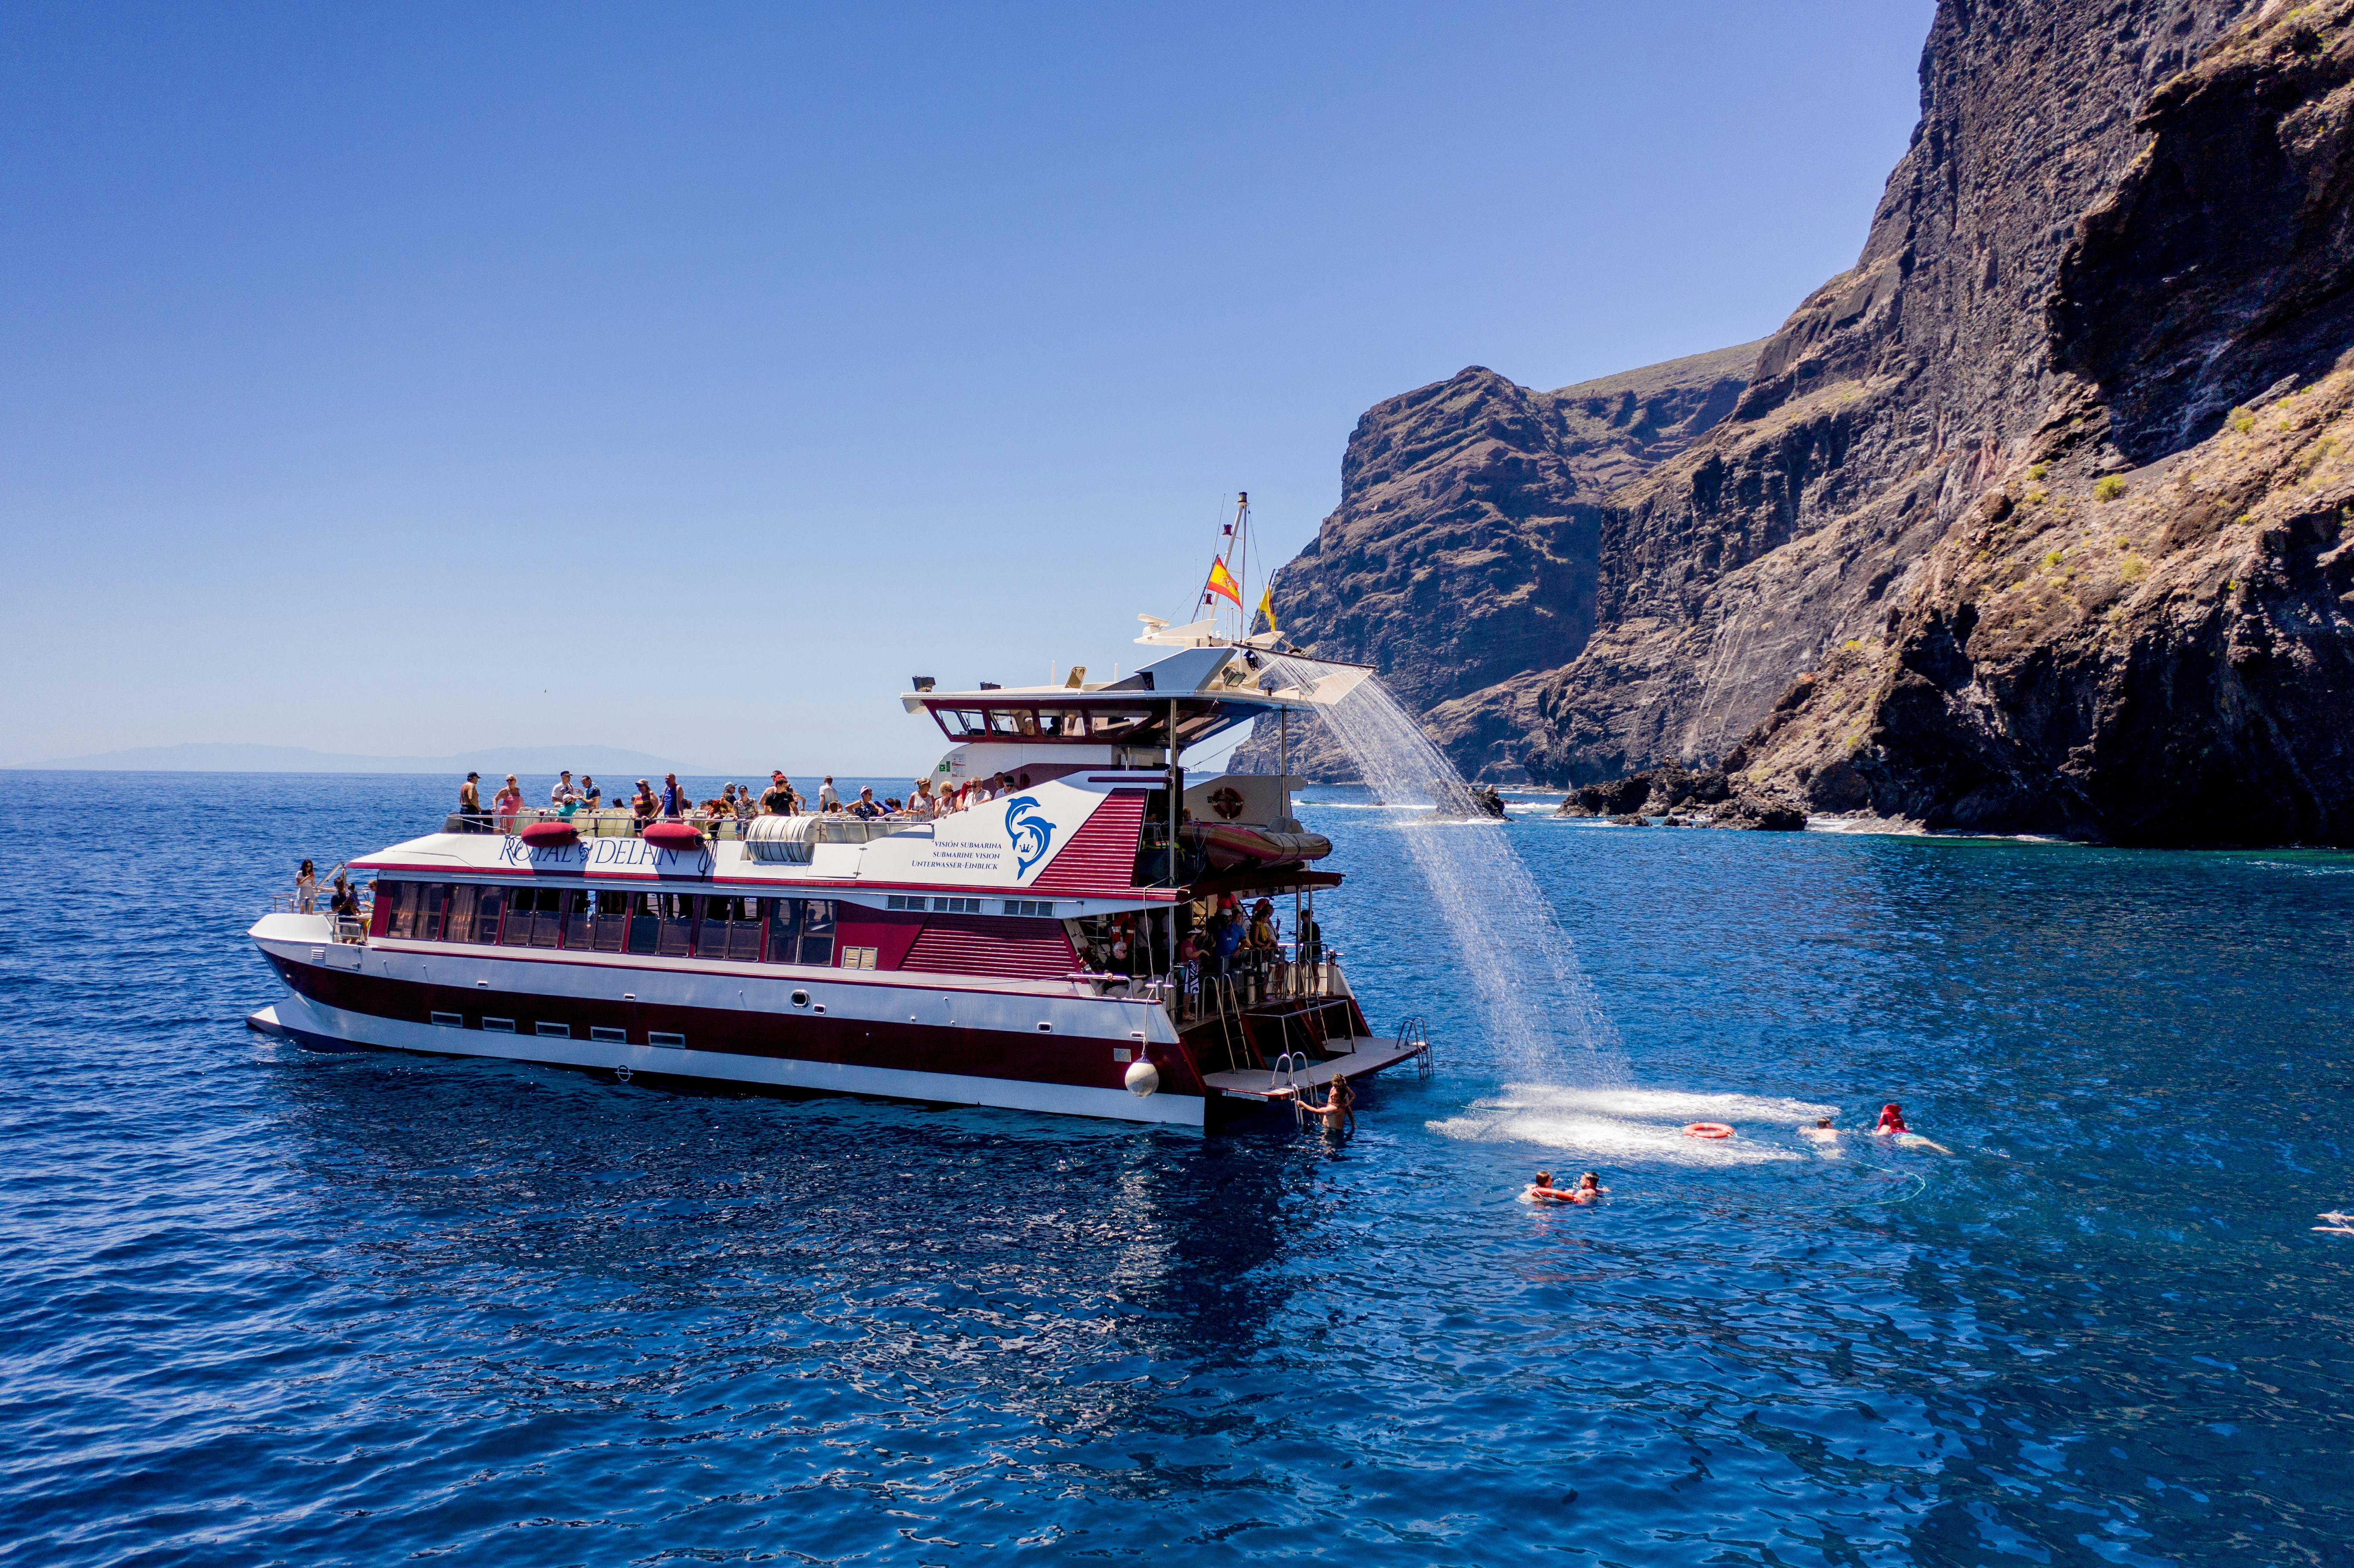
(1238, 559)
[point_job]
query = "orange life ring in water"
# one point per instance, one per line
(1708, 1129)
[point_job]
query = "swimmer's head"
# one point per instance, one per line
(1589, 1179)
(1544, 1177)
(1822, 1121)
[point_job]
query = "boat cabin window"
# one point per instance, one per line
(731, 929)
(801, 930)
(473, 914)
(734, 928)
(535, 918)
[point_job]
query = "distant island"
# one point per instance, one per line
(204, 757)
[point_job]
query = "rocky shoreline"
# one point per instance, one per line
(1703, 798)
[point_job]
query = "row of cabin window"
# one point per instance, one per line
(657, 924)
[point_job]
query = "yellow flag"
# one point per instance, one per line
(1267, 605)
(1222, 581)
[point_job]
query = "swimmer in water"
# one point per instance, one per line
(1822, 1132)
(1892, 1121)
(1589, 1187)
(1339, 1111)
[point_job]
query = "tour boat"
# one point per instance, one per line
(969, 959)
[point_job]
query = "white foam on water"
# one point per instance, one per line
(1638, 1126)
(1541, 1014)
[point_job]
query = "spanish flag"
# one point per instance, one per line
(1222, 582)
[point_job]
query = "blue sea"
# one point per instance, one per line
(264, 1306)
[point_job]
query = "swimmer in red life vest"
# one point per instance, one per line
(1892, 1120)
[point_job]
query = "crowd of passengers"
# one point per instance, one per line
(1223, 941)
(735, 803)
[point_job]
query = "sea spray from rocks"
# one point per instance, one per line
(1541, 1015)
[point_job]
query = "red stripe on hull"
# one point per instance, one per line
(1074, 1061)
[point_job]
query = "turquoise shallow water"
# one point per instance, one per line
(260, 1305)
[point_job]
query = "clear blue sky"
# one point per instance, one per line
(405, 379)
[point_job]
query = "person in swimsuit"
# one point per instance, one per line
(1588, 1189)
(1338, 1112)
(1822, 1132)
(1892, 1121)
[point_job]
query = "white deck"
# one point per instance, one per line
(1364, 1054)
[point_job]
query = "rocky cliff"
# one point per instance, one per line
(2026, 522)
(1465, 555)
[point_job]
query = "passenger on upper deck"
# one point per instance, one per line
(306, 890)
(564, 794)
(921, 804)
(590, 796)
(1262, 936)
(506, 803)
(469, 805)
(776, 800)
(344, 903)
(826, 799)
(642, 807)
(673, 798)
(865, 806)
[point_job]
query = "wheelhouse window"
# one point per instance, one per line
(1035, 722)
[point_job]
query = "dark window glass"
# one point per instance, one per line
(817, 930)
(488, 903)
(675, 938)
(784, 928)
(579, 912)
(432, 896)
(399, 899)
(459, 926)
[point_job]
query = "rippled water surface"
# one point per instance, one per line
(263, 1305)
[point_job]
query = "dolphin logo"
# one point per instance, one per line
(1030, 833)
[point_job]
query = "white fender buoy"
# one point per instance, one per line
(1143, 1077)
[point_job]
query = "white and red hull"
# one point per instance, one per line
(965, 956)
(944, 1039)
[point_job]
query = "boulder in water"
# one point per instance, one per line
(1760, 812)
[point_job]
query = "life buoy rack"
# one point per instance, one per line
(1707, 1129)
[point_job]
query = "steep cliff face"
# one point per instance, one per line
(2141, 631)
(1463, 554)
(2117, 223)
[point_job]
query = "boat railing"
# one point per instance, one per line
(1194, 991)
(342, 927)
(609, 822)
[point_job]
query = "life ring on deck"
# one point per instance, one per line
(1707, 1129)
